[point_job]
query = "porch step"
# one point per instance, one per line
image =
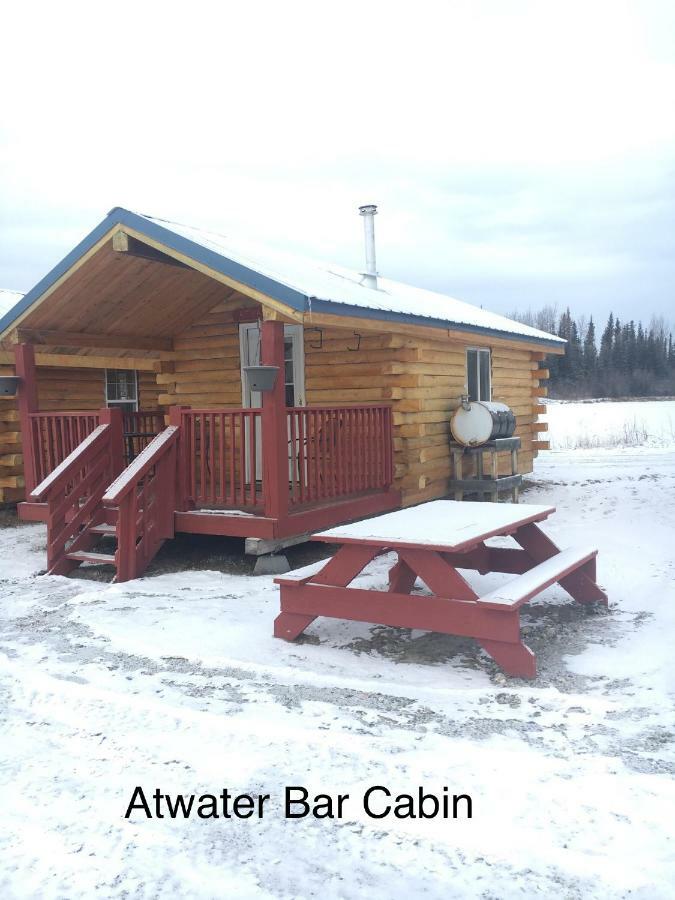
(107, 530)
(90, 556)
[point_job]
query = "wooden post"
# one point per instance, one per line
(27, 401)
(176, 418)
(114, 417)
(274, 427)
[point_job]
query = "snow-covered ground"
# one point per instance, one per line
(174, 682)
(605, 424)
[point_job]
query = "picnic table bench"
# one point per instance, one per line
(433, 541)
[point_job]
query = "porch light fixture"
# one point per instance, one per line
(9, 385)
(261, 378)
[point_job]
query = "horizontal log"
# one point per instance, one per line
(11, 459)
(84, 339)
(12, 481)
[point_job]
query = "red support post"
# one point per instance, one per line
(176, 418)
(114, 417)
(274, 427)
(27, 401)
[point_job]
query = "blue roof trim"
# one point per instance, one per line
(119, 216)
(264, 284)
(276, 290)
(387, 315)
(59, 269)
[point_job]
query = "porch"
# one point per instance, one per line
(268, 471)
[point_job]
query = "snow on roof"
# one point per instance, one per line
(8, 299)
(326, 283)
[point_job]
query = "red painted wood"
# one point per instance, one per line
(115, 419)
(581, 584)
(339, 451)
(217, 458)
(145, 497)
(289, 626)
(337, 512)
(448, 616)
(401, 578)
(347, 563)
(515, 659)
(194, 522)
(72, 493)
(439, 576)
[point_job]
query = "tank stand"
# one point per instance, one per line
(491, 485)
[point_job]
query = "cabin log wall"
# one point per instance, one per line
(422, 379)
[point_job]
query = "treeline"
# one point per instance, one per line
(626, 360)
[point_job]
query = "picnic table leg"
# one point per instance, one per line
(347, 563)
(514, 659)
(580, 584)
(401, 578)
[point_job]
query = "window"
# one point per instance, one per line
(478, 374)
(121, 389)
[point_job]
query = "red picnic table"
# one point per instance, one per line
(432, 541)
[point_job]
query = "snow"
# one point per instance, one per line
(326, 281)
(598, 424)
(441, 523)
(8, 299)
(530, 583)
(175, 681)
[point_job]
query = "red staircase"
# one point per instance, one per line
(90, 497)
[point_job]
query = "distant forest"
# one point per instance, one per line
(628, 359)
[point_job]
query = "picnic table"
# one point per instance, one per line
(432, 542)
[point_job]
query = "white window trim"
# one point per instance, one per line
(487, 350)
(132, 404)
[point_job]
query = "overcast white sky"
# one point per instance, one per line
(521, 153)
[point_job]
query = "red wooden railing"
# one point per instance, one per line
(139, 429)
(144, 495)
(338, 451)
(221, 457)
(56, 435)
(73, 492)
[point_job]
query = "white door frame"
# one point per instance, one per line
(295, 332)
(249, 399)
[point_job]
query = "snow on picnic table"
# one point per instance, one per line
(175, 682)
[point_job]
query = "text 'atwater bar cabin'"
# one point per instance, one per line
(170, 380)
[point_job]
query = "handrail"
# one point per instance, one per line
(140, 467)
(145, 496)
(70, 465)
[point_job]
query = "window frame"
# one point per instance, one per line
(478, 350)
(128, 405)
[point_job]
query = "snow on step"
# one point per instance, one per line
(104, 529)
(90, 556)
(525, 586)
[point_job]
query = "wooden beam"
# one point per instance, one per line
(70, 361)
(83, 339)
(291, 314)
(59, 281)
(124, 243)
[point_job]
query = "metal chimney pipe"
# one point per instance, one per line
(369, 211)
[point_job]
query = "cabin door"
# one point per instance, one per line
(294, 373)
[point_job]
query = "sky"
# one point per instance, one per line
(520, 153)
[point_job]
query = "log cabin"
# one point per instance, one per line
(136, 413)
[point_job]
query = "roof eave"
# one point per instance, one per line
(330, 307)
